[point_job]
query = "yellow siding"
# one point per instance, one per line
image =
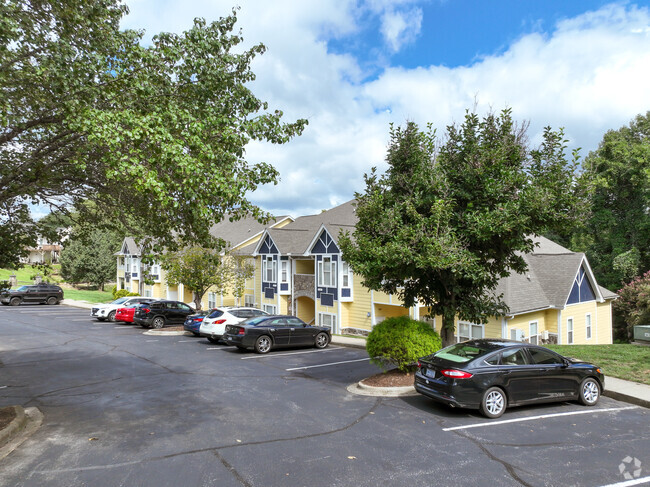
(305, 309)
(357, 310)
(603, 326)
(304, 267)
(383, 311)
(579, 312)
(492, 328)
(257, 288)
(382, 297)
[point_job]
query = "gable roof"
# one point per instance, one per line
(547, 284)
(129, 247)
(296, 238)
(238, 232)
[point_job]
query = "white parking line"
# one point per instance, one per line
(541, 416)
(629, 483)
(185, 341)
(291, 353)
(215, 348)
(327, 365)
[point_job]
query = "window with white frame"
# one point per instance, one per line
(327, 272)
(212, 300)
(249, 300)
(270, 309)
(346, 275)
(327, 319)
(467, 331)
(269, 269)
(284, 273)
(533, 334)
(588, 326)
(569, 330)
(147, 293)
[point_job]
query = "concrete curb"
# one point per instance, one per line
(19, 430)
(16, 425)
(619, 396)
(362, 389)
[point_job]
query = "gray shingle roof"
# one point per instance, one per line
(237, 232)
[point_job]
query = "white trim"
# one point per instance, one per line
(573, 331)
(590, 327)
(333, 323)
(559, 327)
(457, 329)
(530, 332)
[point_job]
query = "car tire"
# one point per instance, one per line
(111, 316)
(15, 301)
(158, 322)
(494, 402)
(52, 300)
(589, 392)
(321, 340)
(263, 344)
(213, 340)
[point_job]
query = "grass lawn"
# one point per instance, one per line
(87, 295)
(24, 274)
(629, 362)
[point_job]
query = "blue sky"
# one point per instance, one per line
(352, 67)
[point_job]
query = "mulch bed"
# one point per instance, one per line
(7, 415)
(390, 378)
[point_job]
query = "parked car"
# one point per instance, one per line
(38, 293)
(214, 324)
(493, 374)
(107, 311)
(126, 314)
(263, 333)
(160, 313)
(193, 322)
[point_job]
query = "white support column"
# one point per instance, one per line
(559, 327)
(372, 309)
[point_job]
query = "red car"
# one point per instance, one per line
(124, 314)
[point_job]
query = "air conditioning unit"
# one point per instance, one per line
(516, 334)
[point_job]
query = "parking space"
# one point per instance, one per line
(284, 418)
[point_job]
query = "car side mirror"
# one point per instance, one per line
(565, 363)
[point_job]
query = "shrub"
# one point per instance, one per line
(123, 292)
(113, 291)
(401, 341)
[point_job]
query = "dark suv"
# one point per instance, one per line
(160, 313)
(39, 293)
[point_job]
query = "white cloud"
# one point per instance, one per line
(588, 75)
(401, 27)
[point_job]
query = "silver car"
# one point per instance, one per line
(213, 326)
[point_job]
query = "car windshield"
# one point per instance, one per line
(23, 288)
(119, 300)
(461, 352)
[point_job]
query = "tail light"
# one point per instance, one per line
(419, 365)
(456, 374)
(241, 331)
(146, 310)
(219, 322)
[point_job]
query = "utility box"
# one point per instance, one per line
(642, 333)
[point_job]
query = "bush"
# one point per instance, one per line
(123, 292)
(113, 291)
(401, 341)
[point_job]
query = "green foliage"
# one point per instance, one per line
(241, 269)
(633, 306)
(198, 269)
(122, 293)
(154, 135)
(4, 285)
(401, 341)
(113, 291)
(447, 222)
(89, 257)
(619, 171)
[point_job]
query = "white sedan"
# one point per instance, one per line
(213, 326)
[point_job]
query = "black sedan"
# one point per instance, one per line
(492, 374)
(160, 313)
(263, 333)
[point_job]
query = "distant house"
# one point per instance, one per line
(299, 270)
(44, 253)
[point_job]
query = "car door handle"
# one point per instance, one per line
(293, 329)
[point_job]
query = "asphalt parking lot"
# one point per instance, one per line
(124, 408)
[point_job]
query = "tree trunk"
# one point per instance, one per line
(197, 301)
(447, 330)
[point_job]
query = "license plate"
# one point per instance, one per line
(229, 338)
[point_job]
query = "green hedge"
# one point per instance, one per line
(121, 293)
(400, 342)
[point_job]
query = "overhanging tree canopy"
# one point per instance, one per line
(155, 136)
(446, 222)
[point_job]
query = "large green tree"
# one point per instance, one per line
(154, 135)
(448, 220)
(90, 257)
(198, 269)
(616, 237)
